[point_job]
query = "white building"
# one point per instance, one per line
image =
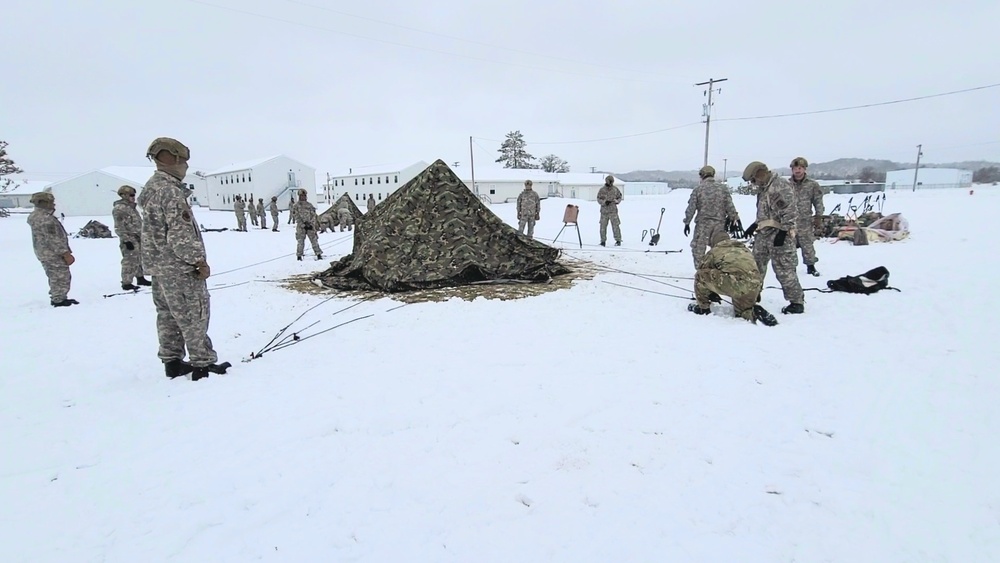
(646, 188)
(500, 185)
(928, 178)
(93, 193)
(20, 195)
(379, 181)
(262, 178)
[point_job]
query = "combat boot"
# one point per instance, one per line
(129, 287)
(811, 270)
(694, 308)
(65, 303)
(319, 256)
(142, 281)
(602, 243)
(176, 368)
(793, 309)
(618, 243)
(299, 258)
(763, 317)
(199, 373)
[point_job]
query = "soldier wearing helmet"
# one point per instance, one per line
(173, 253)
(51, 245)
(260, 212)
(529, 208)
(273, 208)
(713, 204)
(775, 229)
(808, 197)
(128, 227)
(240, 209)
(371, 203)
(609, 197)
(306, 225)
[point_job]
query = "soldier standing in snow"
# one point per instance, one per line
(240, 209)
(714, 206)
(808, 196)
(51, 245)
(273, 208)
(529, 207)
(291, 208)
(609, 197)
(252, 211)
(173, 253)
(775, 228)
(371, 202)
(306, 223)
(729, 269)
(128, 226)
(260, 213)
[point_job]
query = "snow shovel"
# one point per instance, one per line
(643, 237)
(655, 239)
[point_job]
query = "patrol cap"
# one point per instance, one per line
(42, 197)
(707, 171)
(752, 169)
(126, 190)
(173, 146)
(799, 161)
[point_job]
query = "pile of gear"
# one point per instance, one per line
(94, 229)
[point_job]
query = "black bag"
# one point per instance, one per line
(872, 281)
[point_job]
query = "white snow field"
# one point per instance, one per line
(597, 423)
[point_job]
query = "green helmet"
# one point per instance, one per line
(752, 169)
(707, 172)
(173, 146)
(799, 161)
(126, 190)
(43, 198)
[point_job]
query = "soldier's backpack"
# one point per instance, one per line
(872, 281)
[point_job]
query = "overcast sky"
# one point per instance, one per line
(349, 84)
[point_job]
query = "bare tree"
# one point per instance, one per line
(7, 167)
(552, 163)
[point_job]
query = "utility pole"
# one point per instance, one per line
(593, 169)
(916, 170)
(724, 177)
(472, 165)
(707, 109)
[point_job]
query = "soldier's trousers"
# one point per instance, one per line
(59, 279)
(253, 219)
(263, 221)
(611, 217)
(743, 289)
(530, 223)
(806, 241)
(182, 313)
(131, 262)
(274, 221)
(300, 239)
(703, 233)
(783, 260)
(241, 222)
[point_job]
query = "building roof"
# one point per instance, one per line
(509, 175)
(379, 169)
(240, 166)
(584, 178)
(136, 174)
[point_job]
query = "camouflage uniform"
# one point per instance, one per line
(529, 207)
(609, 197)
(252, 212)
(261, 214)
(273, 208)
(128, 226)
(241, 219)
(345, 218)
(306, 223)
(371, 203)
(776, 212)
(714, 205)
(291, 210)
(51, 245)
(728, 269)
(172, 252)
(808, 196)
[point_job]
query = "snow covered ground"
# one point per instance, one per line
(598, 423)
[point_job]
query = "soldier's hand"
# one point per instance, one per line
(749, 231)
(687, 229)
(68, 258)
(537, 217)
(203, 270)
(817, 222)
(129, 246)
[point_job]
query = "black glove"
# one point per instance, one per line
(779, 239)
(307, 227)
(714, 297)
(687, 229)
(129, 246)
(749, 232)
(736, 229)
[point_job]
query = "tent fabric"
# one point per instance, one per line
(94, 229)
(329, 217)
(434, 232)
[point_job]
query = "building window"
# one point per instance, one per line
(362, 181)
(250, 176)
(380, 196)
(395, 179)
(379, 179)
(386, 179)
(493, 192)
(355, 181)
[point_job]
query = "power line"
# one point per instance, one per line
(464, 40)
(408, 46)
(775, 116)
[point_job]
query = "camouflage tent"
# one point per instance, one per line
(434, 232)
(328, 218)
(94, 229)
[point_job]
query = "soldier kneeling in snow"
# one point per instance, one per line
(729, 269)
